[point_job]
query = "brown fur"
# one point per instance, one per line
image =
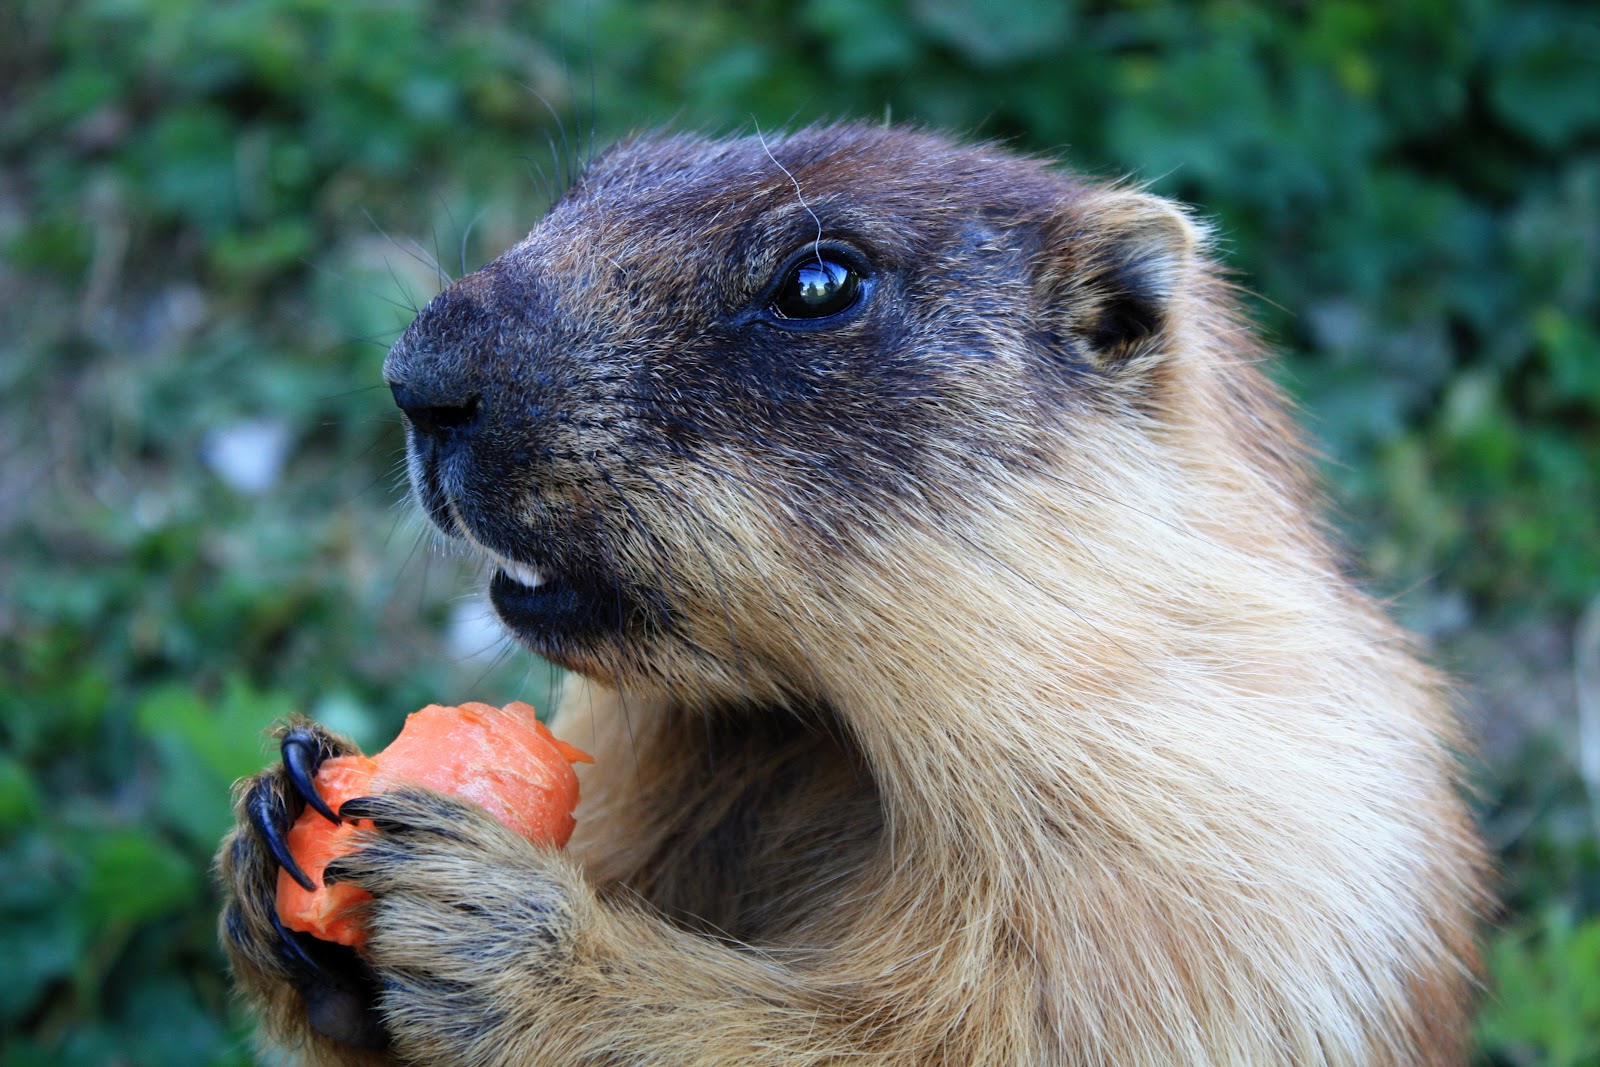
(982, 689)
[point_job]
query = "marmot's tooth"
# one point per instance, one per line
(522, 574)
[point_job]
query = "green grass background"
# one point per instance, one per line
(214, 216)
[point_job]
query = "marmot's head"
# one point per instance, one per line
(718, 373)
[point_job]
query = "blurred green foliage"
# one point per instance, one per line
(215, 216)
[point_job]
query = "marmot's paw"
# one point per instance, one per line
(466, 917)
(338, 988)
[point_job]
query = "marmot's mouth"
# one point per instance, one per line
(567, 616)
(568, 606)
(529, 578)
(550, 614)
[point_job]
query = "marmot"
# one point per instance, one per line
(970, 676)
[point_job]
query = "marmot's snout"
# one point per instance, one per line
(452, 413)
(432, 369)
(485, 450)
(442, 421)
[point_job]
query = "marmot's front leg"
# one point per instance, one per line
(495, 952)
(484, 949)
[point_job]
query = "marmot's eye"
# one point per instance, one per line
(816, 288)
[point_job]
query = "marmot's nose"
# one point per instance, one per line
(445, 420)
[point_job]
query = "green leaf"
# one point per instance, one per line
(1545, 1002)
(1549, 86)
(1571, 351)
(261, 253)
(227, 735)
(133, 876)
(19, 799)
(203, 746)
(41, 940)
(163, 1023)
(864, 36)
(1000, 31)
(188, 166)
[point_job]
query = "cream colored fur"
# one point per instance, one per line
(1097, 759)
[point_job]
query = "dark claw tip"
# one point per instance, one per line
(267, 816)
(357, 808)
(375, 809)
(289, 948)
(302, 755)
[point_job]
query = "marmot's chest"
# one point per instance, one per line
(759, 835)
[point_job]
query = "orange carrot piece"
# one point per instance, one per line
(502, 758)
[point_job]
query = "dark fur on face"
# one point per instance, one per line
(574, 382)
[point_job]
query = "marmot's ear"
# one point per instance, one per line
(1117, 261)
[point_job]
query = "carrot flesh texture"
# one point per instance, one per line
(504, 759)
(314, 842)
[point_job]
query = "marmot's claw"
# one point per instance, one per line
(303, 752)
(295, 956)
(270, 819)
(339, 989)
